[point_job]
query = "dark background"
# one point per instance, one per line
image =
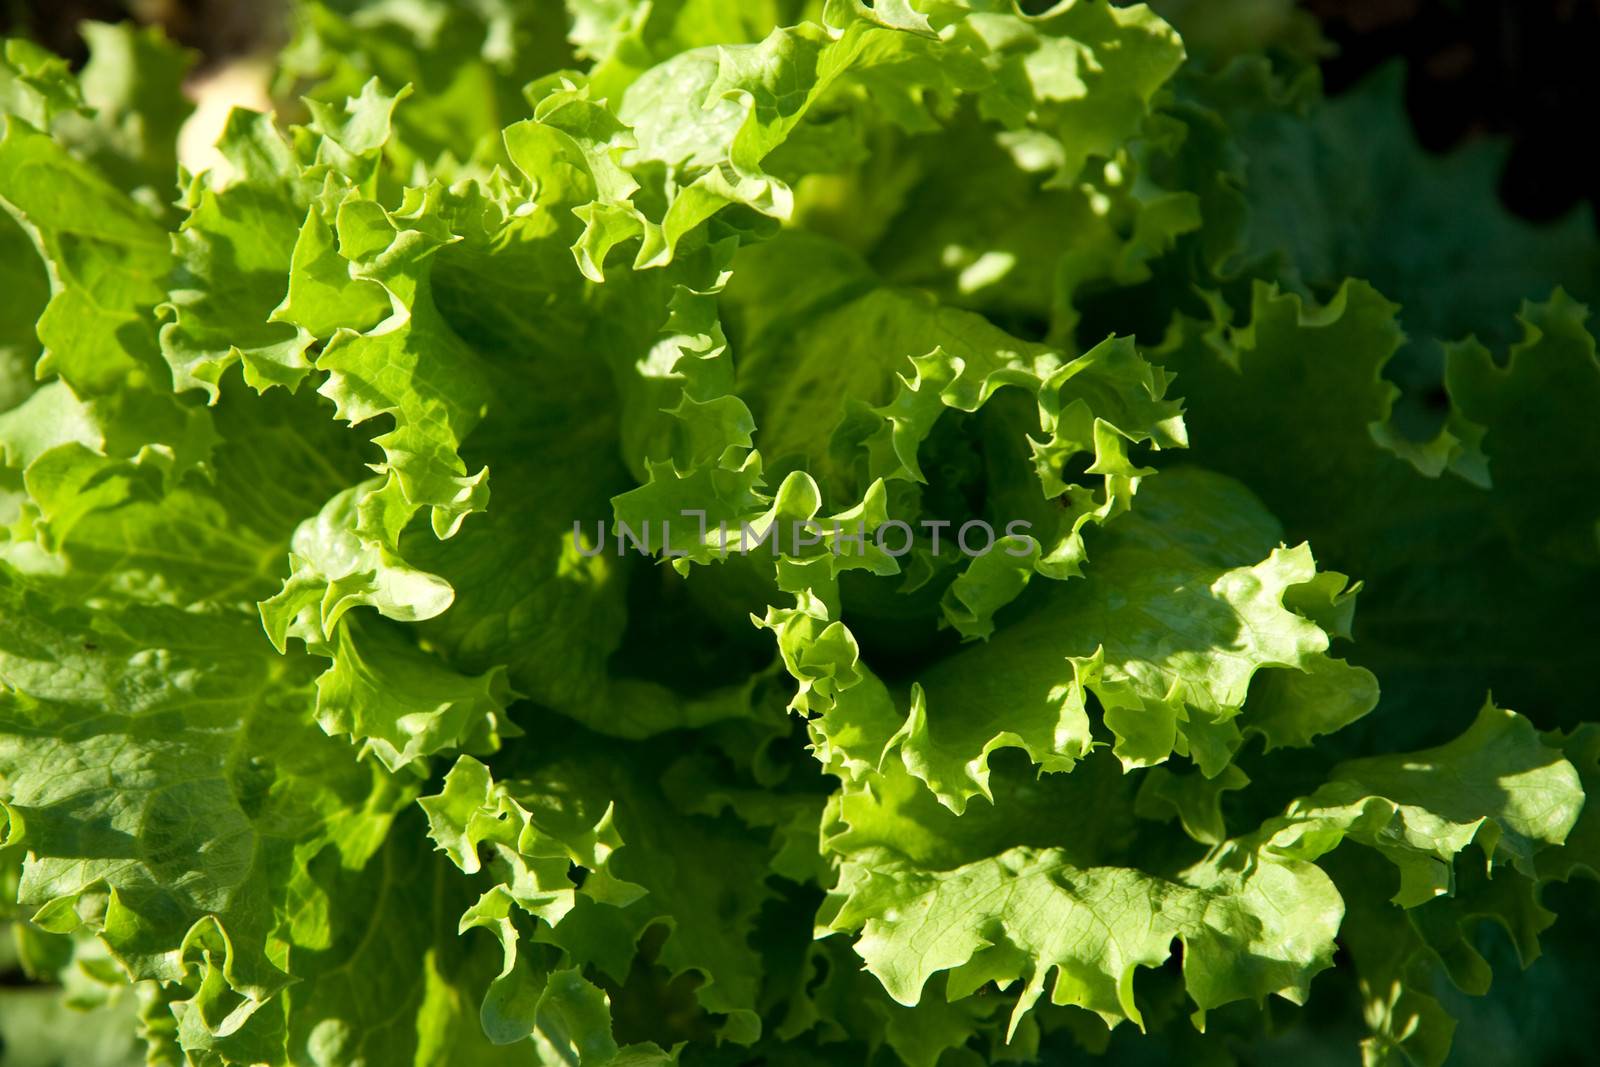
(1525, 69)
(1528, 70)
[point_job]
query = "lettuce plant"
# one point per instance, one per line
(472, 589)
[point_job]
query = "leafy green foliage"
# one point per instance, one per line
(408, 650)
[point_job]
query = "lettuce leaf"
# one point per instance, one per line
(488, 572)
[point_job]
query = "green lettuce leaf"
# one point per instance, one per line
(727, 746)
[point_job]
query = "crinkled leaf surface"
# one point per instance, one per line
(486, 570)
